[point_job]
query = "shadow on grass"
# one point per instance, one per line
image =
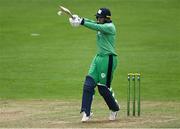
(101, 121)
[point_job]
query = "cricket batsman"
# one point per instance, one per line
(103, 65)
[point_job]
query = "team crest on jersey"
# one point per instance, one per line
(103, 75)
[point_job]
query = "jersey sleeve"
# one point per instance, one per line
(104, 28)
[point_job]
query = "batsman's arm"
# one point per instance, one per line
(105, 28)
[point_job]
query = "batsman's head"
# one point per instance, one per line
(103, 15)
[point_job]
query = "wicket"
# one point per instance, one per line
(132, 94)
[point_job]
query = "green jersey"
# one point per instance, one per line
(106, 34)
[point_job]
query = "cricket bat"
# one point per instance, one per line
(65, 11)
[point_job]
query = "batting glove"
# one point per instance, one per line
(75, 21)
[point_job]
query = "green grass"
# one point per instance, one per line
(53, 65)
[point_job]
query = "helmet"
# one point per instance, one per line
(103, 13)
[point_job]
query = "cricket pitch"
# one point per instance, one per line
(65, 114)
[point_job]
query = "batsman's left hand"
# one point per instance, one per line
(75, 21)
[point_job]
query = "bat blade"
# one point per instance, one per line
(66, 11)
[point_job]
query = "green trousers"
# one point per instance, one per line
(102, 69)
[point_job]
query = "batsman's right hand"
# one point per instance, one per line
(75, 21)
